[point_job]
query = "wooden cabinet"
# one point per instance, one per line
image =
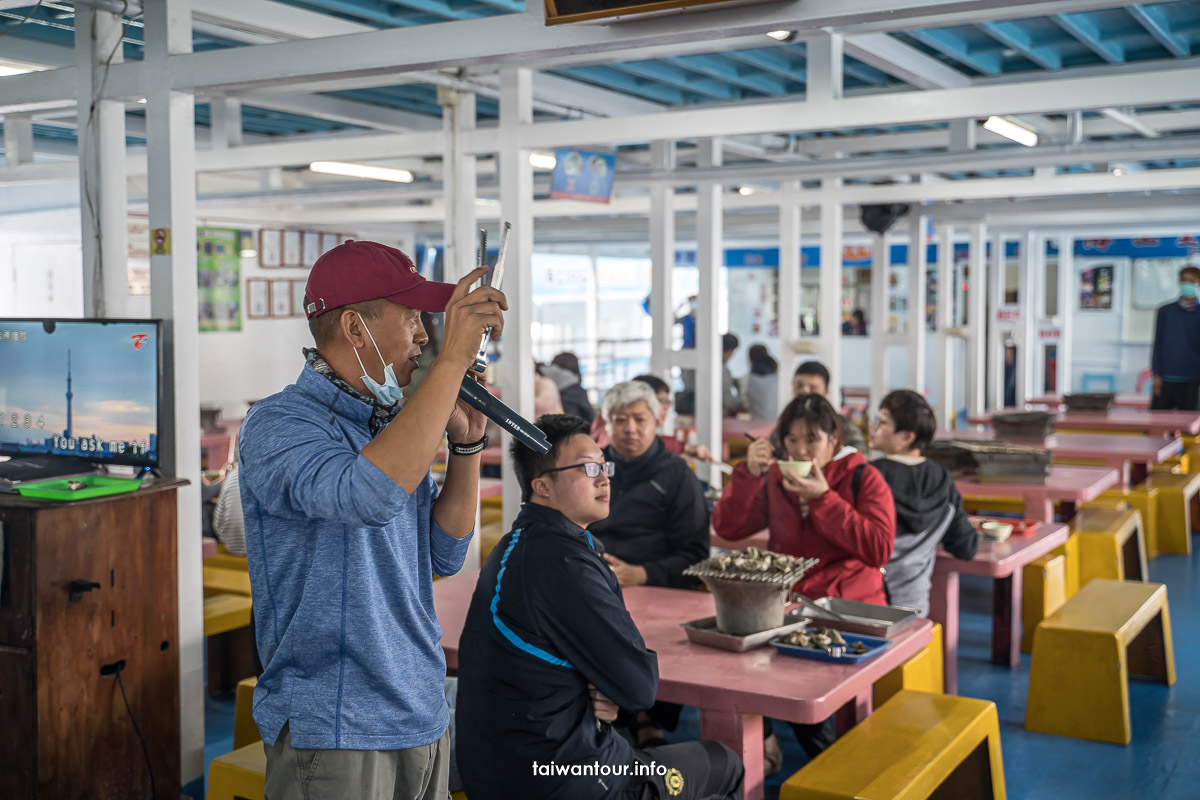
(85, 588)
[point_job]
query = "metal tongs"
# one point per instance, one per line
(496, 283)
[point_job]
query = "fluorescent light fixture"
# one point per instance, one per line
(142, 100)
(1117, 171)
(542, 160)
(361, 171)
(746, 191)
(781, 36)
(8, 68)
(1011, 130)
(248, 253)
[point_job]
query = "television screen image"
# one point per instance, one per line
(83, 388)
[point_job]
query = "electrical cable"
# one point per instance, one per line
(138, 731)
(24, 19)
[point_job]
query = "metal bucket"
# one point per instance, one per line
(746, 607)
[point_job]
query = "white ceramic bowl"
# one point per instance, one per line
(797, 469)
(997, 530)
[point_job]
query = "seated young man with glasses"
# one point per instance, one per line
(549, 657)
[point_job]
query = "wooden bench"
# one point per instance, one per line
(924, 672)
(915, 746)
(241, 773)
(222, 580)
(1110, 545)
(1178, 507)
(1084, 653)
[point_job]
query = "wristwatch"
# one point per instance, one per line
(467, 449)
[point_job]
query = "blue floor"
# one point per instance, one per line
(1163, 761)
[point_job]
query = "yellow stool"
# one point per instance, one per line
(1070, 552)
(1083, 656)
(1044, 591)
(915, 746)
(1144, 500)
(1177, 495)
(1110, 545)
(459, 796)
(245, 729)
(1115, 505)
(226, 560)
(225, 612)
(222, 580)
(921, 673)
(242, 773)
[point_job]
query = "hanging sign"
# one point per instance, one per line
(1008, 315)
(1049, 333)
(583, 175)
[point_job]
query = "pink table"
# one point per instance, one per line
(490, 487)
(733, 691)
(733, 430)
(215, 448)
(1003, 562)
(1068, 485)
(208, 547)
(1154, 423)
(1132, 455)
(1054, 401)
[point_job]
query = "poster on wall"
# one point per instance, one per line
(137, 264)
(219, 279)
(1096, 288)
(583, 175)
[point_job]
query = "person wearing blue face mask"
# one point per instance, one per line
(345, 529)
(1175, 358)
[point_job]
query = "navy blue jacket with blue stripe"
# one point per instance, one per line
(547, 618)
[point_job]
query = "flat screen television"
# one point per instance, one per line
(87, 388)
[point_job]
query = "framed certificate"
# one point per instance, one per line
(328, 242)
(298, 298)
(270, 248)
(258, 304)
(312, 248)
(293, 252)
(281, 298)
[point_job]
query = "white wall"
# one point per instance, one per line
(22, 238)
(259, 360)
(1102, 341)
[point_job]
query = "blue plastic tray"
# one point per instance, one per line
(876, 645)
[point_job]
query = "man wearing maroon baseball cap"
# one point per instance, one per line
(345, 529)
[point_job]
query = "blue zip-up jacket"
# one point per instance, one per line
(1176, 353)
(546, 619)
(341, 570)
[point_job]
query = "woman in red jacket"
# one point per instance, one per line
(842, 514)
(850, 529)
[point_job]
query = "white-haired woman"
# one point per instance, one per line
(657, 523)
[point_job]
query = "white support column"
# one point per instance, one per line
(977, 322)
(104, 220)
(995, 356)
(879, 330)
(825, 66)
(459, 182)
(789, 286)
(18, 139)
(1066, 311)
(516, 206)
(945, 320)
(459, 238)
(662, 260)
(171, 174)
(226, 122)
(1029, 295)
(710, 258)
(830, 281)
(918, 293)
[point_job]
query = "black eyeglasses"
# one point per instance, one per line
(592, 469)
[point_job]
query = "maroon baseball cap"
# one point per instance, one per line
(355, 272)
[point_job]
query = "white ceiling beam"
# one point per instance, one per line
(351, 112)
(904, 61)
(1131, 121)
(515, 38)
(1050, 96)
(280, 21)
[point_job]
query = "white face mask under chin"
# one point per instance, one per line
(389, 393)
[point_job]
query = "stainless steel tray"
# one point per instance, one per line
(704, 631)
(865, 618)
